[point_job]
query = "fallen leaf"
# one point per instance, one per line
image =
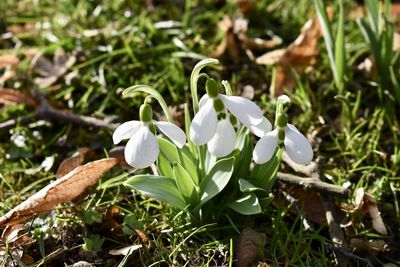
(368, 245)
(308, 202)
(302, 52)
(8, 61)
(64, 189)
(12, 97)
(52, 71)
(17, 29)
(237, 43)
(68, 164)
(366, 203)
(248, 248)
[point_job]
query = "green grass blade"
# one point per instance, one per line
(327, 33)
(340, 53)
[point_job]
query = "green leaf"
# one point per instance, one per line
(216, 180)
(327, 33)
(246, 205)
(153, 92)
(264, 175)
(185, 184)
(131, 223)
(159, 187)
(247, 186)
(92, 216)
(242, 163)
(164, 166)
(340, 52)
(171, 153)
(93, 243)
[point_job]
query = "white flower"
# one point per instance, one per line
(219, 134)
(296, 146)
(142, 148)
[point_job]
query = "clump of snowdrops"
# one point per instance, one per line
(211, 167)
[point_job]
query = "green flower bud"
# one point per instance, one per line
(212, 88)
(233, 119)
(218, 105)
(146, 113)
(281, 135)
(282, 120)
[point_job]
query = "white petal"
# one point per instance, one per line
(203, 100)
(173, 132)
(126, 130)
(224, 139)
(265, 147)
(284, 99)
(262, 128)
(142, 149)
(204, 124)
(244, 109)
(297, 146)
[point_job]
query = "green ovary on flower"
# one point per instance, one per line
(146, 113)
(212, 88)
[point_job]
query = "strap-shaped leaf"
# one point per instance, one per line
(216, 180)
(159, 187)
(246, 205)
(185, 184)
(171, 153)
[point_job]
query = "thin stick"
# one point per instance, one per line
(313, 184)
(46, 112)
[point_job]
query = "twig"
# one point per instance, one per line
(304, 169)
(350, 255)
(335, 231)
(313, 184)
(46, 112)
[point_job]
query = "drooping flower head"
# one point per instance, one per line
(142, 148)
(213, 124)
(296, 145)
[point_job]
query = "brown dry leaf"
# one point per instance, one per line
(248, 249)
(8, 61)
(366, 203)
(12, 97)
(310, 203)
(51, 71)
(68, 164)
(17, 29)
(303, 51)
(368, 245)
(65, 189)
(236, 41)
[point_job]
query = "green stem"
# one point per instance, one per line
(194, 77)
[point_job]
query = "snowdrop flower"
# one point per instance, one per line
(142, 148)
(296, 145)
(212, 125)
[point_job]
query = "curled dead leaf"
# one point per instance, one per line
(72, 162)
(64, 189)
(237, 42)
(366, 203)
(248, 249)
(12, 97)
(302, 52)
(8, 61)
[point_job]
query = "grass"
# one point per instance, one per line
(354, 121)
